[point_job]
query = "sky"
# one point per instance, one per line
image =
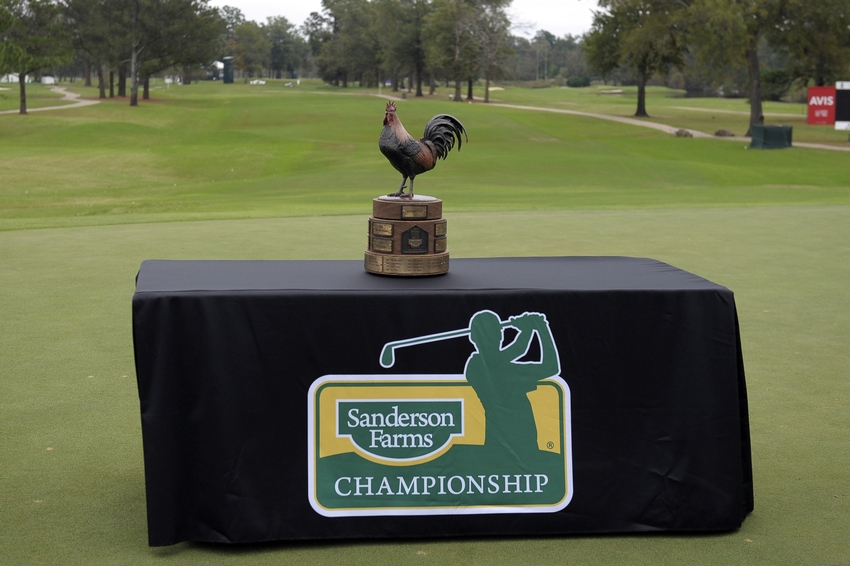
(560, 17)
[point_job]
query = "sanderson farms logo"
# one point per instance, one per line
(495, 439)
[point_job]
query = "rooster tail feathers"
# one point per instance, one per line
(442, 130)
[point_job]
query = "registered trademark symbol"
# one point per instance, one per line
(550, 445)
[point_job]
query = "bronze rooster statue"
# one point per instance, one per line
(411, 157)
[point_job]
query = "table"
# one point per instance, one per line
(285, 400)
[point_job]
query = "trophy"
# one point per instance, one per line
(407, 232)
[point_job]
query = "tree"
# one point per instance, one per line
(140, 20)
(36, 39)
(728, 32)
(287, 48)
(191, 37)
(317, 31)
(645, 35)
(86, 40)
(97, 36)
(250, 48)
(232, 18)
(414, 13)
(350, 49)
(567, 59)
(392, 42)
(450, 42)
(543, 44)
(134, 26)
(522, 66)
(154, 32)
(816, 36)
(400, 29)
(493, 33)
(6, 21)
(197, 39)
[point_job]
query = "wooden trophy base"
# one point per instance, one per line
(407, 237)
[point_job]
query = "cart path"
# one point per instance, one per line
(646, 124)
(663, 127)
(740, 112)
(621, 119)
(67, 96)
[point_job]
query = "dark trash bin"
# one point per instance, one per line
(770, 137)
(228, 69)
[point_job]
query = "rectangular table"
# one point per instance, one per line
(513, 396)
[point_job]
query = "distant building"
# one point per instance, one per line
(13, 78)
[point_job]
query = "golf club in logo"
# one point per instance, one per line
(494, 439)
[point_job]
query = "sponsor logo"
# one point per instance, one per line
(495, 439)
(380, 432)
(822, 101)
(822, 105)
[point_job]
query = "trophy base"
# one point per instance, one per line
(407, 237)
(410, 266)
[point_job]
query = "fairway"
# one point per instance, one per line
(86, 194)
(206, 152)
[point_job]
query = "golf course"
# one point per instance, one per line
(240, 171)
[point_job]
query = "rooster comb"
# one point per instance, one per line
(390, 106)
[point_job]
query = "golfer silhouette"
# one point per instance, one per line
(502, 382)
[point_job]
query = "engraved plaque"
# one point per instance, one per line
(382, 245)
(414, 241)
(440, 229)
(440, 245)
(406, 265)
(382, 229)
(418, 208)
(398, 265)
(373, 264)
(414, 212)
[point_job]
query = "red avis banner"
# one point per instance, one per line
(821, 105)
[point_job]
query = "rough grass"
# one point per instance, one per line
(772, 226)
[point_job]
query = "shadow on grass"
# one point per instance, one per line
(313, 545)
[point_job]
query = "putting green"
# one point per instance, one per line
(71, 487)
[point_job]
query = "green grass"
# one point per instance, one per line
(671, 107)
(668, 106)
(238, 151)
(773, 226)
(38, 96)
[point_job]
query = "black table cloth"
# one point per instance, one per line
(289, 400)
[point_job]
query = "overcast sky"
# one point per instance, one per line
(559, 17)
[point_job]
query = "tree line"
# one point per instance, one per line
(134, 39)
(758, 46)
(423, 43)
(807, 42)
